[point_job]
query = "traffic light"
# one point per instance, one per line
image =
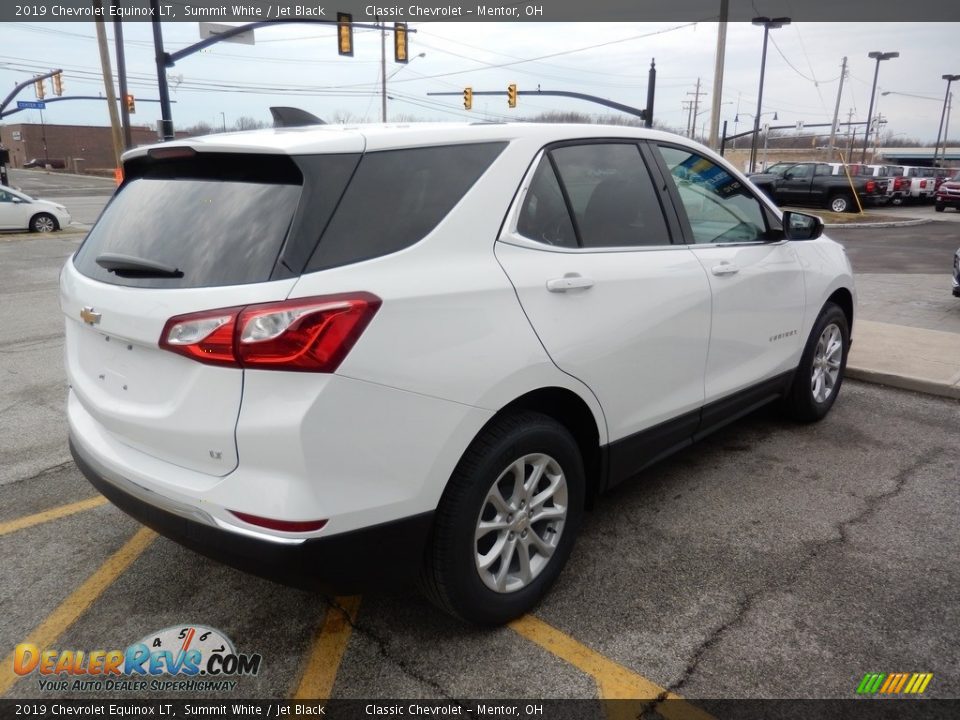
(38, 89)
(57, 84)
(345, 34)
(131, 104)
(512, 95)
(400, 54)
(468, 98)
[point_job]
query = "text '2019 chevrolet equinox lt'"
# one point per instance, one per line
(343, 354)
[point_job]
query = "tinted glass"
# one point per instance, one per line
(544, 215)
(720, 208)
(397, 197)
(215, 232)
(611, 195)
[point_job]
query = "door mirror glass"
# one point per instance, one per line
(800, 226)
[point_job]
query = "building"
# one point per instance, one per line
(78, 148)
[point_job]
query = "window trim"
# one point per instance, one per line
(511, 235)
(776, 235)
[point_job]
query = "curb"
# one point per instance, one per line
(904, 382)
(885, 224)
(58, 235)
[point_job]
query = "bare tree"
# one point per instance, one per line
(200, 128)
(245, 122)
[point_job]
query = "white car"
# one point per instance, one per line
(22, 212)
(351, 355)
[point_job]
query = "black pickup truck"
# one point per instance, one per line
(811, 183)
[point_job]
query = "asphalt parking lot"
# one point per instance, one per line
(771, 561)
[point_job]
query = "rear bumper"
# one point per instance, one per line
(345, 563)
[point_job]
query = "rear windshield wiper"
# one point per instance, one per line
(130, 266)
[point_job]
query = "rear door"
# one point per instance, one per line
(614, 300)
(220, 221)
(756, 279)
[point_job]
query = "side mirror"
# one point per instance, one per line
(788, 175)
(800, 226)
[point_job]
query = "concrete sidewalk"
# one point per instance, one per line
(906, 357)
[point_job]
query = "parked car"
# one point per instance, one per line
(948, 194)
(922, 183)
(56, 163)
(956, 273)
(351, 355)
(22, 212)
(812, 183)
(898, 186)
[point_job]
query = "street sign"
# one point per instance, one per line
(31, 105)
(210, 29)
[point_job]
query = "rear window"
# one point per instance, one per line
(397, 197)
(217, 228)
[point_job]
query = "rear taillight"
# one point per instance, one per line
(307, 334)
(871, 186)
(923, 183)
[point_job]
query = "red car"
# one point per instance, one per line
(948, 194)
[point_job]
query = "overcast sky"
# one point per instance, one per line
(298, 65)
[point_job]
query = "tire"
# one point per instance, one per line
(464, 574)
(808, 401)
(43, 222)
(939, 207)
(841, 203)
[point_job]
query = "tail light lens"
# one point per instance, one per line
(307, 334)
(923, 183)
(871, 186)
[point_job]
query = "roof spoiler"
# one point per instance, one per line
(293, 117)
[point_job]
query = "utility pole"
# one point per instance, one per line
(108, 82)
(166, 116)
(688, 106)
(122, 80)
(836, 109)
(383, 72)
(718, 75)
(696, 104)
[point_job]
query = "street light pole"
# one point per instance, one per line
(878, 56)
(768, 25)
(943, 114)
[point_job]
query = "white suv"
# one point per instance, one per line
(347, 355)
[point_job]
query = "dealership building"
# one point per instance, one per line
(77, 148)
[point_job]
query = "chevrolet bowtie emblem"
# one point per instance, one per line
(89, 316)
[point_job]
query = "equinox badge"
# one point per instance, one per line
(89, 316)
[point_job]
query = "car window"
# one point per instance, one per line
(544, 216)
(801, 172)
(5, 196)
(609, 190)
(397, 197)
(823, 169)
(720, 207)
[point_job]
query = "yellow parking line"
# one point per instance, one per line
(327, 651)
(47, 632)
(614, 681)
(47, 515)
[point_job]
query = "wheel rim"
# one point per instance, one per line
(826, 363)
(520, 523)
(43, 224)
(839, 205)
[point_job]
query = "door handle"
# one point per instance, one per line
(725, 269)
(570, 281)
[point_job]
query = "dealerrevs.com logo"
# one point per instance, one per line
(185, 658)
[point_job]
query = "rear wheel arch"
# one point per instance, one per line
(570, 410)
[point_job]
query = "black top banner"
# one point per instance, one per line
(860, 11)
